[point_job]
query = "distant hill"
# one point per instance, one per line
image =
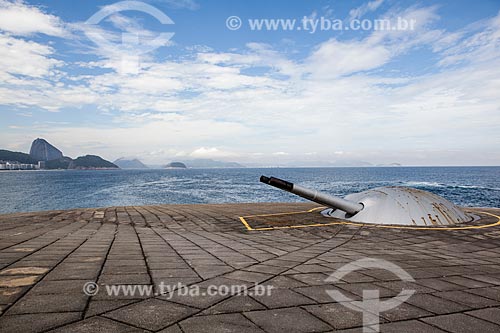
(7, 155)
(176, 165)
(60, 163)
(41, 150)
(209, 163)
(91, 162)
(125, 163)
(390, 165)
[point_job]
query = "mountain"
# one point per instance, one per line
(176, 165)
(7, 155)
(209, 163)
(41, 150)
(91, 162)
(125, 163)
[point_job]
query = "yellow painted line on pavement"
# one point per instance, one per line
(245, 223)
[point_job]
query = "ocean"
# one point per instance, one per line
(24, 191)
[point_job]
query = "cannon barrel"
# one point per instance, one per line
(347, 206)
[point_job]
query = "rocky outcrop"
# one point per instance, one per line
(41, 150)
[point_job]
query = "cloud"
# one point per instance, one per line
(181, 4)
(211, 152)
(17, 18)
(477, 43)
(334, 58)
(20, 57)
(367, 7)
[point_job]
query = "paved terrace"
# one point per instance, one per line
(46, 258)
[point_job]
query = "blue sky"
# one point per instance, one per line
(426, 96)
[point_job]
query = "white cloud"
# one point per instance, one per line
(20, 57)
(334, 58)
(180, 4)
(367, 7)
(210, 152)
(17, 18)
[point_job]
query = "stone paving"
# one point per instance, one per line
(47, 258)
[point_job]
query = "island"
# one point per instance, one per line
(176, 165)
(125, 163)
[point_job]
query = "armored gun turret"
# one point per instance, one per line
(382, 205)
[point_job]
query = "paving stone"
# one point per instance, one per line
(17, 281)
(337, 315)
(36, 322)
(320, 294)
(171, 329)
(223, 281)
(24, 271)
(174, 273)
(239, 303)
(10, 295)
(312, 279)
(97, 324)
(124, 279)
(436, 304)
(468, 299)
(439, 284)
(461, 323)
(260, 268)
(97, 307)
(359, 288)
(59, 287)
(151, 314)
(140, 269)
(282, 281)
(490, 314)
(219, 323)
(207, 272)
(491, 279)
(49, 303)
(491, 292)
(287, 320)
(462, 281)
(398, 286)
(404, 311)
(279, 298)
(201, 298)
(248, 276)
(410, 326)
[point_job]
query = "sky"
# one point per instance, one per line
(167, 80)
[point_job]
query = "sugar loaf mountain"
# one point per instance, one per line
(43, 155)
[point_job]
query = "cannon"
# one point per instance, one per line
(393, 205)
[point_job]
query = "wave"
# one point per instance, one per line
(436, 184)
